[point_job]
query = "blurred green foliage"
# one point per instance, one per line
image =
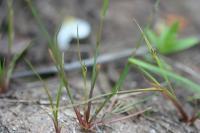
(167, 41)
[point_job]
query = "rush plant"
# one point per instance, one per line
(8, 63)
(87, 118)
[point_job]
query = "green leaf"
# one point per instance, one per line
(188, 84)
(174, 28)
(152, 37)
(167, 38)
(114, 90)
(184, 44)
(167, 42)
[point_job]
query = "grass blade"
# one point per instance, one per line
(44, 84)
(184, 44)
(191, 86)
(114, 90)
(58, 95)
(155, 56)
(13, 63)
(96, 67)
(39, 22)
(105, 7)
(10, 25)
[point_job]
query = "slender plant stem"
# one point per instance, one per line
(10, 28)
(115, 89)
(95, 68)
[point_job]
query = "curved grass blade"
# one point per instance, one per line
(154, 54)
(189, 85)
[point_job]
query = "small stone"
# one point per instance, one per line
(153, 131)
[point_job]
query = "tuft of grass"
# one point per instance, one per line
(86, 120)
(58, 59)
(54, 107)
(8, 63)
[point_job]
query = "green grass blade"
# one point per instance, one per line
(83, 68)
(12, 63)
(114, 90)
(55, 108)
(64, 79)
(98, 39)
(154, 54)
(10, 25)
(190, 86)
(58, 95)
(149, 76)
(105, 7)
(56, 54)
(167, 37)
(2, 72)
(41, 25)
(44, 85)
(184, 44)
(152, 37)
(95, 68)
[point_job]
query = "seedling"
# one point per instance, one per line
(85, 119)
(54, 106)
(167, 42)
(7, 65)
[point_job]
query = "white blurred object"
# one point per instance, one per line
(68, 31)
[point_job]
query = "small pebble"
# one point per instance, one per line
(14, 129)
(152, 131)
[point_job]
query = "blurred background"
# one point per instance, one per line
(119, 31)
